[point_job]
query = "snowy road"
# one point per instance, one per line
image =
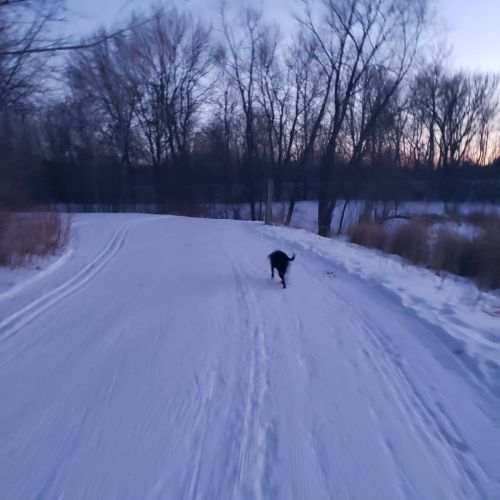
(165, 363)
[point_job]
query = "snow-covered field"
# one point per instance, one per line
(157, 359)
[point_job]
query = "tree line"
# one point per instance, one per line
(173, 112)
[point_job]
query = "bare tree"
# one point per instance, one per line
(309, 107)
(174, 60)
(224, 131)
(240, 62)
(466, 106)
(23, 26)
(29, 21)
(424, 101)
(160, 109)
(352, 37)
(105, 76)
(280, 85)
(455, 110)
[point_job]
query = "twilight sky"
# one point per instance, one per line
(472, 26)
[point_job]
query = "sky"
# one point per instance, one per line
(471, 27)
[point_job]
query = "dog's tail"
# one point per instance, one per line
(292, 257)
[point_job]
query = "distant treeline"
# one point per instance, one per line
(172, 113)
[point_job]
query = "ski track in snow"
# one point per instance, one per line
(424, 420)
(171, 366)
(29, 312)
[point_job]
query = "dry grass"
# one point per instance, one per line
(369, 234)
(452, 253)
(487, 252)
(453, 213)
(25, 236)
(410, 241)
(482, 219)
(477, 258)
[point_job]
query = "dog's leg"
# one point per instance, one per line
(272, 272)
(282, 276)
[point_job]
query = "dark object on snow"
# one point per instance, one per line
(279, 261)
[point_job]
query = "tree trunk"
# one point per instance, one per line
(253, 215)
(325, 213)
(251, 189)
(325, 206)
(293, 201)
(291, 208)
(269, 201)
(342, 216)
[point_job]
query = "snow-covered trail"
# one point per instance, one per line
(173, 367)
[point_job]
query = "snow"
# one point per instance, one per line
(466, 319)
(306, 213)
(157, 359)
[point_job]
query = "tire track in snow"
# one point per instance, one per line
(13, 323)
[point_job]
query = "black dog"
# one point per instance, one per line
(279, 261)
